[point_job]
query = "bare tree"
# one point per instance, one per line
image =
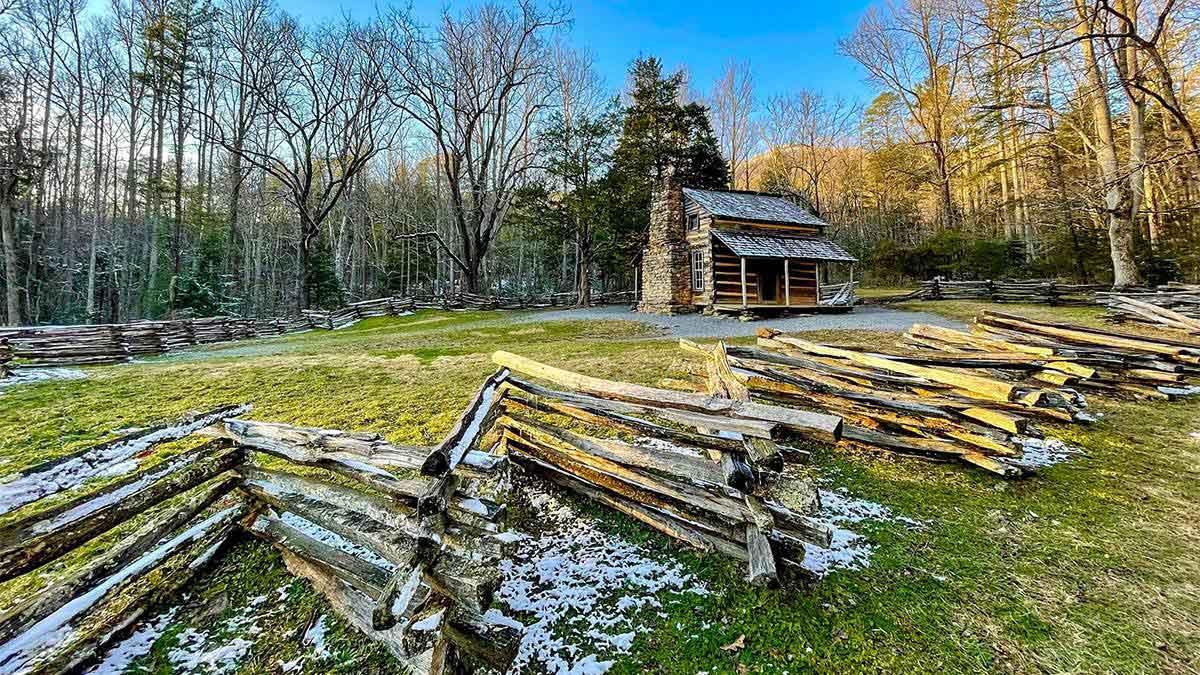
(913, 49)
(323, 107)
(732, 105)
(805, 134)
(478, 85)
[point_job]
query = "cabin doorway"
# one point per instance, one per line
(768, 282)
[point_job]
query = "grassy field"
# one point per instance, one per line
(1091, 566)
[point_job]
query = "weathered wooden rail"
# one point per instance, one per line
(1175, 306)
(1030, 291)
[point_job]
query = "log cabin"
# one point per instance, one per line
(733, 250)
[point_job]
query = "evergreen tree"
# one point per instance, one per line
(659, 134)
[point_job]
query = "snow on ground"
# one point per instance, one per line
(32, 375)
(585, 590)
(206, 651)
(121, 655)
(849, 549)
(1039, 453)
(314, 641)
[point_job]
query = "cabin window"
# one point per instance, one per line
(698, 270)
(693, 222)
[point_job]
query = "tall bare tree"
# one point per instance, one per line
(732, 106)
(914, 50)
(478, 84)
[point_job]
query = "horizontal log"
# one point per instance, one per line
(624, 411)
(815, 426)
(370, 447)
(350, 465)
(72, 470)
(29, 545)
(63, 640)
(35, 607)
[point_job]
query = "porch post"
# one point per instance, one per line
(787, 284)
(743, 262)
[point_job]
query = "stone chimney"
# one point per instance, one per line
(666, 282)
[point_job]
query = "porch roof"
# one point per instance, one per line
(761, 245)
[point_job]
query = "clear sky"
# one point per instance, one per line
(790, 45)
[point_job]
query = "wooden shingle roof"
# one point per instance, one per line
(763, 245)
(752, 206)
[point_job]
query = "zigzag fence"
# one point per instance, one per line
(407, 542)
(117, 343)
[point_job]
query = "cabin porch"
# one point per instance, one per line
(753, 272)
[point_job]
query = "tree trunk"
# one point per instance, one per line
(1117, 197)
(12, 277)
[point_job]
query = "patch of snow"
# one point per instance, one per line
(122, 654)
(848, 549)
(105, 460)
(664, 445)
(575, 580)
(315, 638)
(193, 653)
(475, 506)
(34, 375)
(480, 460)
(1039, 453)
(432, 622)
(510, 537)
(335, 540)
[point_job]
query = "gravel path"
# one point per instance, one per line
(864, 317)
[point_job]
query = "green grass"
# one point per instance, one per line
(965, 310)
(1092, 566)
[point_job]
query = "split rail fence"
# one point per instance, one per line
(407, 542)
(80, 345)
(1173, 306)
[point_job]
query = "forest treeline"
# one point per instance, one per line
(173, 157)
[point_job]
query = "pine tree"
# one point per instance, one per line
(659, 134)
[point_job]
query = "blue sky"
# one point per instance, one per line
(790, 45)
